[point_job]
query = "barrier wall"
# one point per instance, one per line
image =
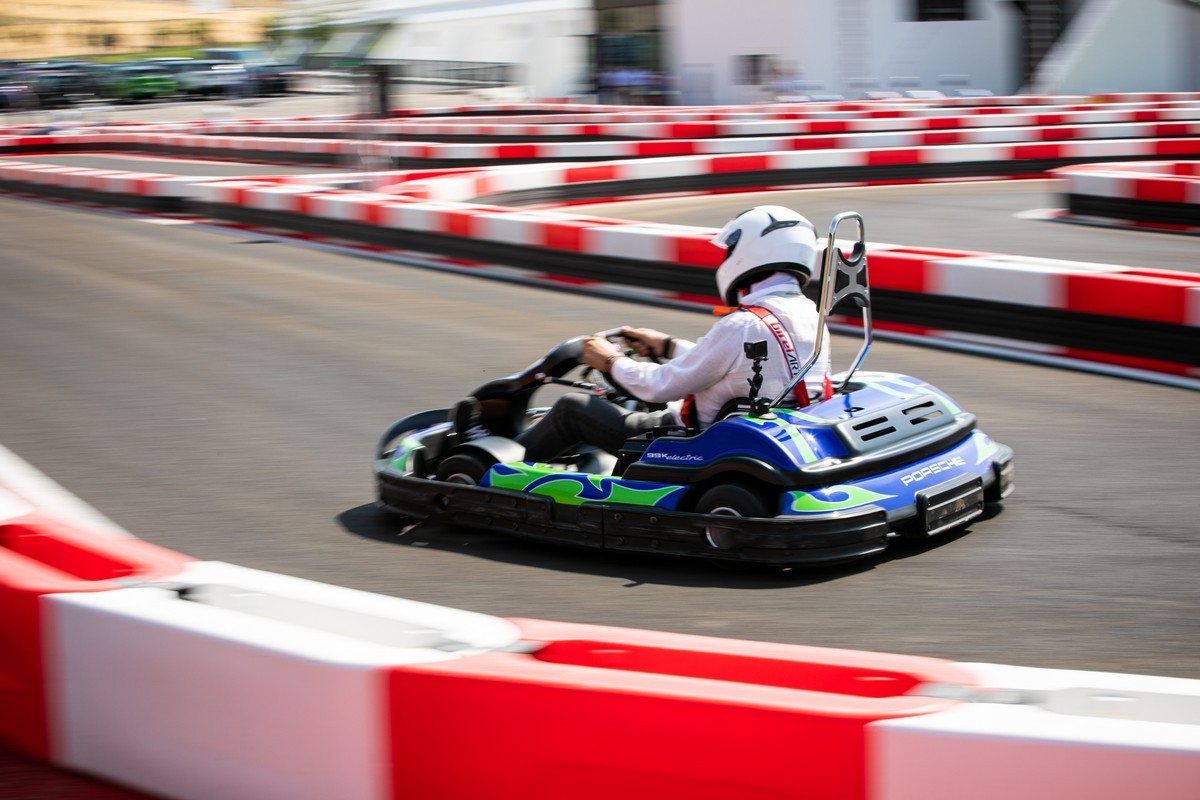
(41, 556)
(198, 680)
(1044, 733)
(1139, 320)
(1151, 194)
(236, 683)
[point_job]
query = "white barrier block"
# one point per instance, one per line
(425, 217)
(1192, 311)
(1193, 192)
(641, 242)
(175, 186)
(816, 159)
(256, 686)
(222, 191)
(966, 153)
(1049, 734)
(280, 197)
(652, 168)
(346, 207)
(521, 176)
(12, 506)
(999, 135)
(520, 227)
(1100, 183)
(876, 141)
(448, 189)
(1110, 148)
(1008, 279)
(566, 150)
(755, 145)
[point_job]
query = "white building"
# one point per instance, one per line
(721, 52)
(851, 47)
(545, 41)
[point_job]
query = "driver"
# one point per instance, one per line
(770, 254)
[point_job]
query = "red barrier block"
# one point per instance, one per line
(39, 556)
(894, 155)
(739, 163)
(1118, 294)
(667, 147)
(1162, 189)
(899, 270)
(565, 234)
(598, 712)
(598, 172)
(698, 251)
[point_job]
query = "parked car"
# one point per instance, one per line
(54, 85)
(266, 77)
(137, 82)
(14, 91)
(206, 77)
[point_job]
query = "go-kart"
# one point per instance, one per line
(885, 455)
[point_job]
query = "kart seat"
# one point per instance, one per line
(740, 406)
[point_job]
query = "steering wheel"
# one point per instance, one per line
(611, 387)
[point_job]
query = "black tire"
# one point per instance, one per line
(734, 500)
(464, 468)
(731, 500)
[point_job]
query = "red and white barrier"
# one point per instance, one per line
(236, 683)
(195, 680)
(598, 712)
(445, 201)
(1138, 192)
(41, 556)
(1041, 733)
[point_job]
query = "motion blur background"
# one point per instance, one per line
(626, 51)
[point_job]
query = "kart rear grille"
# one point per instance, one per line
(894, 424)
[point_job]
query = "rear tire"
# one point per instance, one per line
(730, 500)
(734, 500)
(465, 468)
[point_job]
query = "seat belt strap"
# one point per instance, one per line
(784, 339)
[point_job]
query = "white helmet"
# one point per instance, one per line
(761, 241)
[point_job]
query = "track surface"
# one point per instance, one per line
(220, 394)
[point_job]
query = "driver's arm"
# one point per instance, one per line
(693, 368)
(650, 343)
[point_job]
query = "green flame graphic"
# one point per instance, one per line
(805, 503)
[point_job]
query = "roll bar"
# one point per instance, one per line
(852, 271)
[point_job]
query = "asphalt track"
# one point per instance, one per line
(220, 394)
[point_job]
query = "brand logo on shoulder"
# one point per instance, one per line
(945, 465)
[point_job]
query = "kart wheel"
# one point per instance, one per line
(733, 500)
(465, 468)
(730, 500)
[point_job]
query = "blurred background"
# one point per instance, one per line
(641, 52)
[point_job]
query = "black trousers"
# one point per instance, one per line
(577, 417)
